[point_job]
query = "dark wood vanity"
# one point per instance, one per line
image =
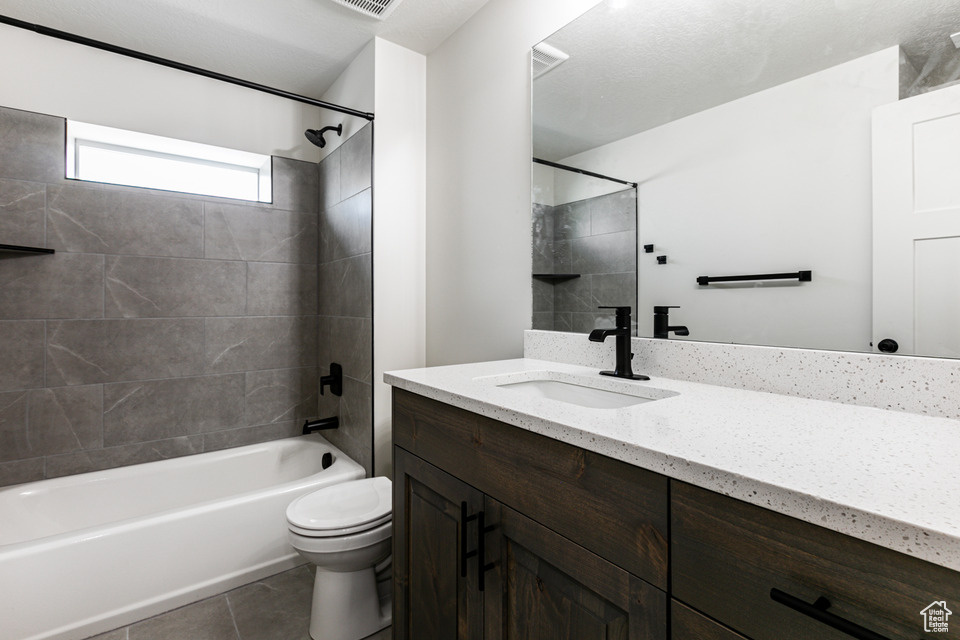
(503, 533)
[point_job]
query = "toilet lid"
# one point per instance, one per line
(353, 505)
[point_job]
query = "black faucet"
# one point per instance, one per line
(622, 332)
(661, 324)
(322, 424)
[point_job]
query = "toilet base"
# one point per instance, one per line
(346, 606)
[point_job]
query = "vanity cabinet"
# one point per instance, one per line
(728, 556)
(503, 534)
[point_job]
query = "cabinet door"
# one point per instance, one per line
(431, 597)
(542, 586)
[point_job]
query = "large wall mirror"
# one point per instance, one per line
(795, 165)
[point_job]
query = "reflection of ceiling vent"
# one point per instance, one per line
(379, 9)
(546, 58)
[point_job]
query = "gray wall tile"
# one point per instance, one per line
(98, 220)
(93, 351)
(20, 471)
(63, 285)
(355, 434)
(345, 229)
(281, 395)
(543, 237)
(572, 220)
(614, 212)
(246, 344)
(13, 426)
(574, 295)
(98, 459)
(278, 288)
(165, 287)
(609, 253)
(324, 346)
(65, 419)
(330, 180)
(229, 438)
(21, 343)
(22, 210)
(160, 409)
(543, 291)
(295, 185)
(235, 232)
(137, 256)
(31, 146)
(346, 287)
(615, 289)
(356, 167)
(351, 345)
(543, 321)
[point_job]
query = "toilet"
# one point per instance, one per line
(344, 529)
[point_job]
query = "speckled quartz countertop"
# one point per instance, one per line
(887, 477)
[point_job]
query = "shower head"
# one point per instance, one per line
(316, 135)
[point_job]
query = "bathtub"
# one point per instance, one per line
(88, 553)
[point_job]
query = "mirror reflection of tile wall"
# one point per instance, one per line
(594, 242)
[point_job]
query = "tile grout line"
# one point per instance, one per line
(233, 618)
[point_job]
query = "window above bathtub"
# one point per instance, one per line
(103, 154)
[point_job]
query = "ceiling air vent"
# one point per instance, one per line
(379, 9)
(546, 58)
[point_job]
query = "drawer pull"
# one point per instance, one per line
(818, 611)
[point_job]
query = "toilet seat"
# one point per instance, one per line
(342, 509)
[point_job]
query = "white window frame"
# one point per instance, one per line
(82, 135)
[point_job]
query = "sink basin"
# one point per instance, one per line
(579, 390)
(576, 394)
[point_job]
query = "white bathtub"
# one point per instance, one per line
(88, 553)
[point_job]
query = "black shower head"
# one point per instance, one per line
(316, 135)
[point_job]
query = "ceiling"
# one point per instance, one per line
(296, 45)
(638, 64)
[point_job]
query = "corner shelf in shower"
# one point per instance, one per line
(22, 250)
(556, 277)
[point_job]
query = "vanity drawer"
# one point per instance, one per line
(728, 555)
(687, 624)
(611, 508)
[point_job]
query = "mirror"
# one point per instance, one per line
(803, 152)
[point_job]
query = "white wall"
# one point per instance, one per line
(60, 78)
(776, 181)
(355, 87)
(479, 296)
(399, 212)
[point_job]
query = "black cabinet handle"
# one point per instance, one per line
(464, 554)
(818, 611)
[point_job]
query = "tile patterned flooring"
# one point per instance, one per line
(275, 608)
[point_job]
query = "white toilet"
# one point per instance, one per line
(344, 529)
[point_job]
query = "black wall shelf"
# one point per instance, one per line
(556, 277)
(16, 248)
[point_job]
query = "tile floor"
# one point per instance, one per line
(275, 608)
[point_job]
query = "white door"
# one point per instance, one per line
(916, 224)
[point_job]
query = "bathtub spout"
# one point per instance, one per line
(309, 426)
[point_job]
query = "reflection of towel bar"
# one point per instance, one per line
(802, 276)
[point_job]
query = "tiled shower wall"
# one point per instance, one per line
(346, 265)
(164, 325)
(596, 238)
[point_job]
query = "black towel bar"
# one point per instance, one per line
(802, 276)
